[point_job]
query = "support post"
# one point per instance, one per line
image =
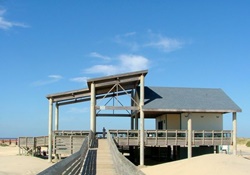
(136, 121)
(57, 117)
(132, 118)
(234, 133)
(132, 123)
(189, 136)
(50, 127)
(92, 109)
(141, 121)
(57, 125)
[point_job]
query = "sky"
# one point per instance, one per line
(48, 47)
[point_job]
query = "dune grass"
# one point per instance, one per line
(244, 141)
(248, 144)
(3, 144)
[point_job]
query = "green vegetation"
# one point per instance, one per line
(248, 144)
(243, 141)
(3, 144)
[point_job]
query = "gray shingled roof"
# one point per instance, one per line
(188, 100)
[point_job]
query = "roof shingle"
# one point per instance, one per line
(188, 100)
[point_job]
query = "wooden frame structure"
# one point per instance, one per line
(133, 85)
(98, 89)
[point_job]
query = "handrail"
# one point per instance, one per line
(71, 132)
(173, 137)
(72, 164)
(122, 165)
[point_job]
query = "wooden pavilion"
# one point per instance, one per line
(186, 109)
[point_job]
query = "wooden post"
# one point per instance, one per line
(92, 109)
(56, 127)
(234, 133)
(189, 136)
(57, 117)
(132, 123)
(50, 127)
(132, 118)
(142, 121)
(136, 121)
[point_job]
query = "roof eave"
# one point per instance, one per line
(193, 110)
(117, 76)
(69, 95)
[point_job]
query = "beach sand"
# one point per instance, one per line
(13, 164)
(217, 164)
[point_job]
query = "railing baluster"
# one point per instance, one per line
(212, 137)
(166, 137)
(156, 141)
(139, 136)
(176, 137)
(222, 138)
(203, 137)
(127, 138)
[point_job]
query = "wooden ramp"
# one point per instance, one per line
(104, 163)
(99, 159)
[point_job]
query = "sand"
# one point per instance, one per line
(216, 164)
(13, 164)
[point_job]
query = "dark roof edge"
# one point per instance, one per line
(118, 75)
(68, 93)
(192, 110)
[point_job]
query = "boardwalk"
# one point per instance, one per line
(99, 160)
(105, 165)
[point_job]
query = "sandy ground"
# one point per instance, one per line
(216, 164)
(13, 164)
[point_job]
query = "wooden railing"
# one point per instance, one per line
(72, 164)
(122, 165)
(41, 141)
(222, 137)
(71, 132)
(27, 145)
(67, 144)
(172, 137)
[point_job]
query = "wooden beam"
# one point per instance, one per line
(113, 115)
(117, 108)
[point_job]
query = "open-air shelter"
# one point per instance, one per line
(185, 104)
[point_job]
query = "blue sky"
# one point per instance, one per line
(54, 46)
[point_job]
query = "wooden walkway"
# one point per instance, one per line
(99, 160)
(105, 165)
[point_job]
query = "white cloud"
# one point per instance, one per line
(5, 24)
(55, 77)
(129, 34)
(102, 69)
(52, 79)
(136, 42)
(126, 63)
(97, 55)
(79, 79)
(164, 43)
(133, 62)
